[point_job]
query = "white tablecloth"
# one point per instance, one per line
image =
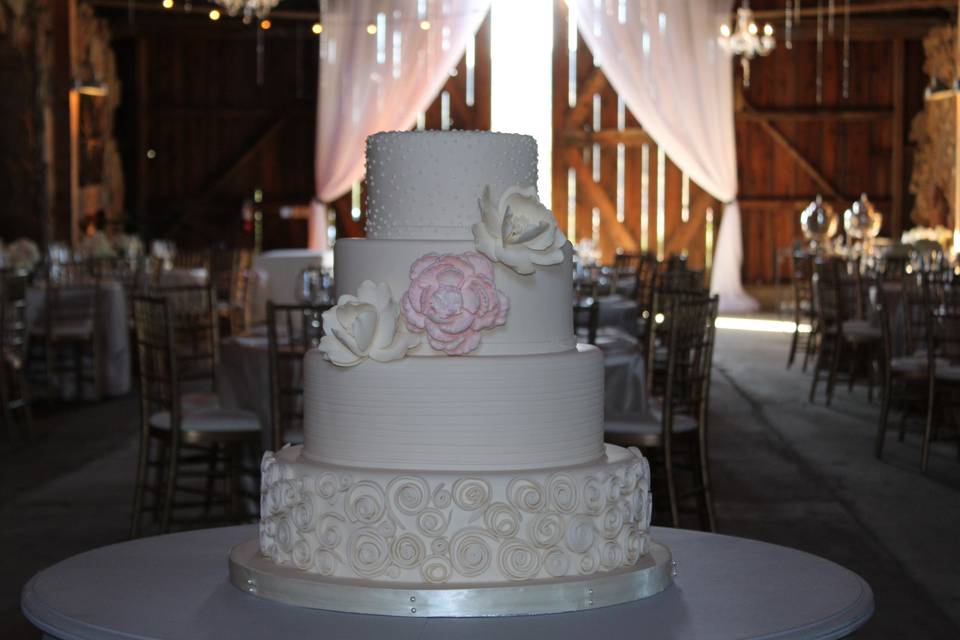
(115, 337)
(619, 312)
(282, 268)
(243, 379)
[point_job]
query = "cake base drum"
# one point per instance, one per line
(251, 572)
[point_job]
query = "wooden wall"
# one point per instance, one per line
(576, 142)
(789, 147)
(191, 97)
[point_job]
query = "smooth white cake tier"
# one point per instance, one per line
(431, 527)
(425, 184)
(540, 318)
(501, 412)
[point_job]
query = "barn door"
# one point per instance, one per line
(611, 182)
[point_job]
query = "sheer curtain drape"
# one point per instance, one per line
(381, 81)
(662, 58)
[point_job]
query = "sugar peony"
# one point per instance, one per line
(453, 298)
(518, 231)
(365, 326)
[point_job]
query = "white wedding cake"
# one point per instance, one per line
(453, 428)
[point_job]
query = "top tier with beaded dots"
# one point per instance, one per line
(425, 185)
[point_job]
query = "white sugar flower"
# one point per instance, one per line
(365, 326)
(519, 231)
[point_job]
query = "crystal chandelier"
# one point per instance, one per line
(249, 8)
(746, 40)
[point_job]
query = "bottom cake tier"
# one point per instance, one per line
(369, 527)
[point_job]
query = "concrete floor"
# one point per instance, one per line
(785, 472)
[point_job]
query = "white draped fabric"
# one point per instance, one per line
(662, 58)
(380, 81)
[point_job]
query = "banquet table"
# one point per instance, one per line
(243, 377)
(182, 277)
(617, 311)
(115, 337)
(177, 586)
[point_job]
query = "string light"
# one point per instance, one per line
(425, 25)
(167, 4)
(265, 24)
(372, 29)
(214, 14)
(317, 28)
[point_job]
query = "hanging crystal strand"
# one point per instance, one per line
(819, 51)
(259, 56)
(846, 49)
(831, 7)
(788, 25)
(796, 12)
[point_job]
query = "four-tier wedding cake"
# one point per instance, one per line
(453, 428)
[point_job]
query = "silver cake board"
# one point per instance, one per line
(251, 572)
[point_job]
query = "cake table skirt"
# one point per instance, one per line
(177, 586)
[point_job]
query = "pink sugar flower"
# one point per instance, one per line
(453, 298)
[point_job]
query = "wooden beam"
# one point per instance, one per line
(798, 157)
(897, 135)
(220, 177)
(684, 233)
(890, 6)
(599, 198)
(582, 110)
(867, 28)
(630, 136)
(799, 115)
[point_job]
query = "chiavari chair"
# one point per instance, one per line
(69, 331)
(182, 453)
(943, 355)
(668, 285)
(626, 268)
(860, 335)
(586, 319)
(803, 309)
(675, 432)
(14, 391)
(292, 330)
(241, 291)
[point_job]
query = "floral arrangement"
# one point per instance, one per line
(365, 326)
(938, 234)
(97, 245)
(127, 245)
(22, 254)
(452, 298)
(518, 231)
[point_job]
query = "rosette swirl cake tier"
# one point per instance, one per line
(453, 461)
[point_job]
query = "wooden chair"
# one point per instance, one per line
(803, 310)
(14, 390)
(240, 295)
(626, 268)
(197, 340)
(292, 330)
(586, 319)
(860, 334)
(676, 431)
(178, 445)
(827, 294)
(668, 286)
(943, 358)
(69, 332)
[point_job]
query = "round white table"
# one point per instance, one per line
(176, 586)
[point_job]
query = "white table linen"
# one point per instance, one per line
(114, 334)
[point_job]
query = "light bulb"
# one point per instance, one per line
(265, 24)
(214, 14)
(167, 4)
(425, 25)
(725, 31)
(317, 28)
(372, 29)
(752, 28)
(768, 30)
